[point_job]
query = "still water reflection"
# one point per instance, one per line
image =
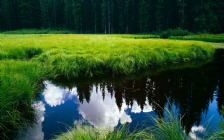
(196, 94)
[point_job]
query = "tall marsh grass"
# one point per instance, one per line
(122, 58)
(90, 133)
(90, 55)
(18, 83)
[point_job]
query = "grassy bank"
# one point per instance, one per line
(91, 55)
(25, 59)
(18, 83)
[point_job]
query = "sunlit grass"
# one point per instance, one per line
(90, 133)
(90, 55)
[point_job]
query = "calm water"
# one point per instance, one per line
(195, 93)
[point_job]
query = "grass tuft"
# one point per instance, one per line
(18, 82)
(169, 129)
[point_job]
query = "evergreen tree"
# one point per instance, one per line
(159, 15)
(205, 19)
(5, 14)
(113, 16)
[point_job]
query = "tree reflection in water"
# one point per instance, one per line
(190, 90)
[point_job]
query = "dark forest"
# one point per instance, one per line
(113, 16)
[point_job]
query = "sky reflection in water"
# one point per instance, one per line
(99, 112)
(196, 94)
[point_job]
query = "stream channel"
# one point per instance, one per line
(194, 93)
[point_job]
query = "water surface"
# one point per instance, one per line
(196, 94)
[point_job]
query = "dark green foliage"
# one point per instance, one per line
(217, 38)
(174, 32)
(113, 16)
(22, 53)
(37, 31)
(31, 52)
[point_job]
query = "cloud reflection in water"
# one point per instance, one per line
(35, 131)
(56, 95)
(102, 113)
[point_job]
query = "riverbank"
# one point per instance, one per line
(92, 55)
(26, 59)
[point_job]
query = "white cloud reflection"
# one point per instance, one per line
(137, 109)
(195, 130)
(35, 131)
(102, 113)
(55, 95)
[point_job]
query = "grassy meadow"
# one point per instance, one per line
(91, 55)
(25, 59)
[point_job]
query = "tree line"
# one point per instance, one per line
(113, 16)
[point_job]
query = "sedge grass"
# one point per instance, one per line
(90, 55)
(18, 82)
(90, 133)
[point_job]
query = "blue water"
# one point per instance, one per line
(196, 94)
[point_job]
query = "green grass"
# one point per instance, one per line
(219, 135)
(90, 133)
(38, 31)
(18, 83)
(93, 55)
(26, 58)
(217, 38)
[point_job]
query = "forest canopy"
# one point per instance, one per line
(113, 16)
